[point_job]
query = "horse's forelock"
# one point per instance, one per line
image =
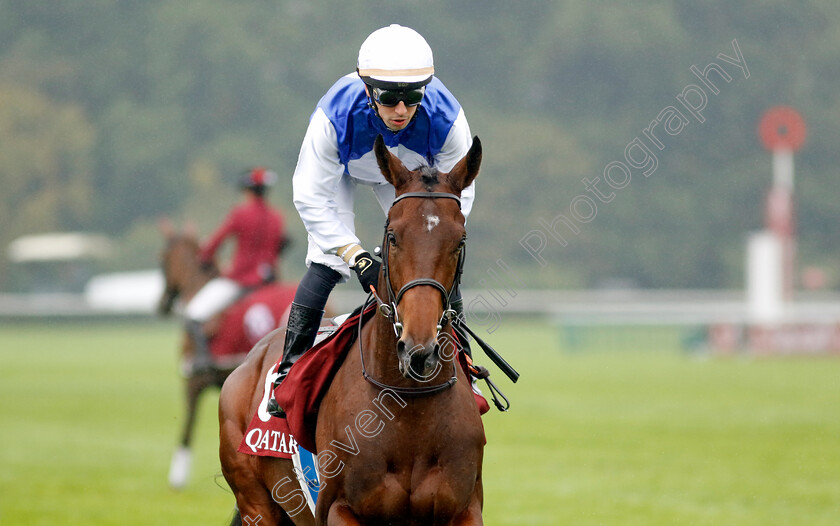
(429, 177)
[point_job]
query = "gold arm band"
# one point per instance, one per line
(348, 251)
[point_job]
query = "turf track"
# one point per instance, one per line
(637, 436)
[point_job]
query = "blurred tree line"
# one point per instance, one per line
(115, 113)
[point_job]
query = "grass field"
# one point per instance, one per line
(89, 417)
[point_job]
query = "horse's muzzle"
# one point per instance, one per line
(420, 362)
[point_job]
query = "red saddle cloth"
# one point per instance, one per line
(245, 322)
(268, 436)
(258, 439)
(301, 392)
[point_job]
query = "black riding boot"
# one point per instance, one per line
(202, 361)
(300, 334)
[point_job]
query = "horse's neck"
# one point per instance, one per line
(193, 280)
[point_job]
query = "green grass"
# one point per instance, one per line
(88, 422)
(89, 416)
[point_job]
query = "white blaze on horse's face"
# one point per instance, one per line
(431, 222)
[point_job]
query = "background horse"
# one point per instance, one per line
(399, 435)
(233, 332)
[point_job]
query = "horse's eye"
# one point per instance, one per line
(392, 239)
(460, 247)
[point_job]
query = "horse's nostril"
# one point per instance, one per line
(402, 360)
(418, 364)
(431, 361)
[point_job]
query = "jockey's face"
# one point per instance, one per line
(395, 117)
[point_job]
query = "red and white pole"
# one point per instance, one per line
(782, 131)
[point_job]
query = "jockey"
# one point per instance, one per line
(260, 237)
(393, 93)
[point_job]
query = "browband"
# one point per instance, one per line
(442, 195)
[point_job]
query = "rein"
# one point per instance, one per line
(389, 309)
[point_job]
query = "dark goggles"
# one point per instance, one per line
(389, 98)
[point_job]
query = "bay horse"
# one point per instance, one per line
(236, 330)
(422, 464)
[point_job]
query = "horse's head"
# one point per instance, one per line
(180, 265)
(422, 253)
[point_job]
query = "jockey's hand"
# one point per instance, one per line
(367, 270)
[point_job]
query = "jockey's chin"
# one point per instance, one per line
(397, 117)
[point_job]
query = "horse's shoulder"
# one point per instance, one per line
(270, 347)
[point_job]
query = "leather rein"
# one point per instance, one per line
(389, 309)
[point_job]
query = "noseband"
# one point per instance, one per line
(389, 309)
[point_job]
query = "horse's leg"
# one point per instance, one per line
(472, 515)
(245, 474)
(237, 520)
(179, 469)
(469, 517)
(254, 501)
(266, 489)
(340, 514)
(260, 511)
(279, 478)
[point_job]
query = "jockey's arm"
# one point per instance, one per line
(456, 146)
(209, 248)
(315, 181)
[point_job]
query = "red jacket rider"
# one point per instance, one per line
(260, 235)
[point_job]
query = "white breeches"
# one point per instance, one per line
(213, 297)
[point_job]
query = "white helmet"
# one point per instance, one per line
(396, 57)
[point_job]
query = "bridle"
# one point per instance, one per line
(388, 308)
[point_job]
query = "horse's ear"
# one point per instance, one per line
(466, 170)
(391, 167)
(190, 228)
(166, 227)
